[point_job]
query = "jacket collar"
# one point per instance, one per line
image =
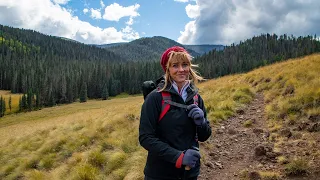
(192, 90)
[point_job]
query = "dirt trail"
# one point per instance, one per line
(234, 147)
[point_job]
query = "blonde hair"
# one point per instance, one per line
(181, 57)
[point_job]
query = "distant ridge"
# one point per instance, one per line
(204, 48)
(110, 45)
(150, 48)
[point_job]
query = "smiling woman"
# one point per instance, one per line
(173, 120)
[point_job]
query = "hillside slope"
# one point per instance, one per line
(277, 136)
(146, 49)
(99, 139)
(202, 49)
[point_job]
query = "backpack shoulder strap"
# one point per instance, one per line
(166, 97)
(196, 99)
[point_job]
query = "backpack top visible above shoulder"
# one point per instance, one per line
(147, 87)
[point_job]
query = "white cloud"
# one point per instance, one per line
(85, 10)
(50, 18)
(187, 36)
(229, 21)
(61, 1)
(184, 1)
(102, 4)
(192, 11)
(129, 33)
(130, 21)
(95, 13)
(115, 12)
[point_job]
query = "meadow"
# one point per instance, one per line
(99, 139)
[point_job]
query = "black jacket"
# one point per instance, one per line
(165, 140)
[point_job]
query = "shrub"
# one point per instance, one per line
(297, 167)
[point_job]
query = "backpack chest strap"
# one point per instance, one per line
(167, 101)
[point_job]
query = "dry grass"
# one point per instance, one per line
(99, 139)
(292, 94)
(14, 101)
(224, 96)
(91, 140)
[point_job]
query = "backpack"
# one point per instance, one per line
(149, 86)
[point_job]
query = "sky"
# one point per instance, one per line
(185, 21)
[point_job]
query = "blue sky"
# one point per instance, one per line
(159, 18)
(186, 21)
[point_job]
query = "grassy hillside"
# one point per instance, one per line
(99, 139)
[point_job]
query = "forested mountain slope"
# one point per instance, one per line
(146, 49)
(55, 71)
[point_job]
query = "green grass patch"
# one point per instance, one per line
(297, 167)
(248, 123)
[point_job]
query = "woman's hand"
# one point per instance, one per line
(191, 157)
(196, 114)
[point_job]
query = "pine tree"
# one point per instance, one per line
(83, 93)
(1, 106)
(24, 102)
(10, 103)
(105, 93)
(38, 105)
(30, 100)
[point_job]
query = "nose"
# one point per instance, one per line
(180, 68)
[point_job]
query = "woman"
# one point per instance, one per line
(170, 133)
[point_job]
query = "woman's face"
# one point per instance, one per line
(179, 71)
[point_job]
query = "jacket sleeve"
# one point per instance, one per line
(204, 131)
(148, 138)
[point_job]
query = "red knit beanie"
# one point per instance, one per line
(165, 57)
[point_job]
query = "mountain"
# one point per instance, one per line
(205, 48)
(146, 49)
(151, 48)
(110, 45)
(33, 43)
(58, 71)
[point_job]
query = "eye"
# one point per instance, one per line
(184, 65)
(175, 65)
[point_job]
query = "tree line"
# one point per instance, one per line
(255, 52)
(50, 71)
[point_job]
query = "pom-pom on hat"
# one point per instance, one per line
(165, 57)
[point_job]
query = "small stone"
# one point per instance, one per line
(286, 132)
(314, 127)
(210, 165)
(254, 175)
(232, 131)
(219, 131)
(240, 111)
(260, 165)
(257, 130)
(219, 165)
(260, 151)
(314, 118)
